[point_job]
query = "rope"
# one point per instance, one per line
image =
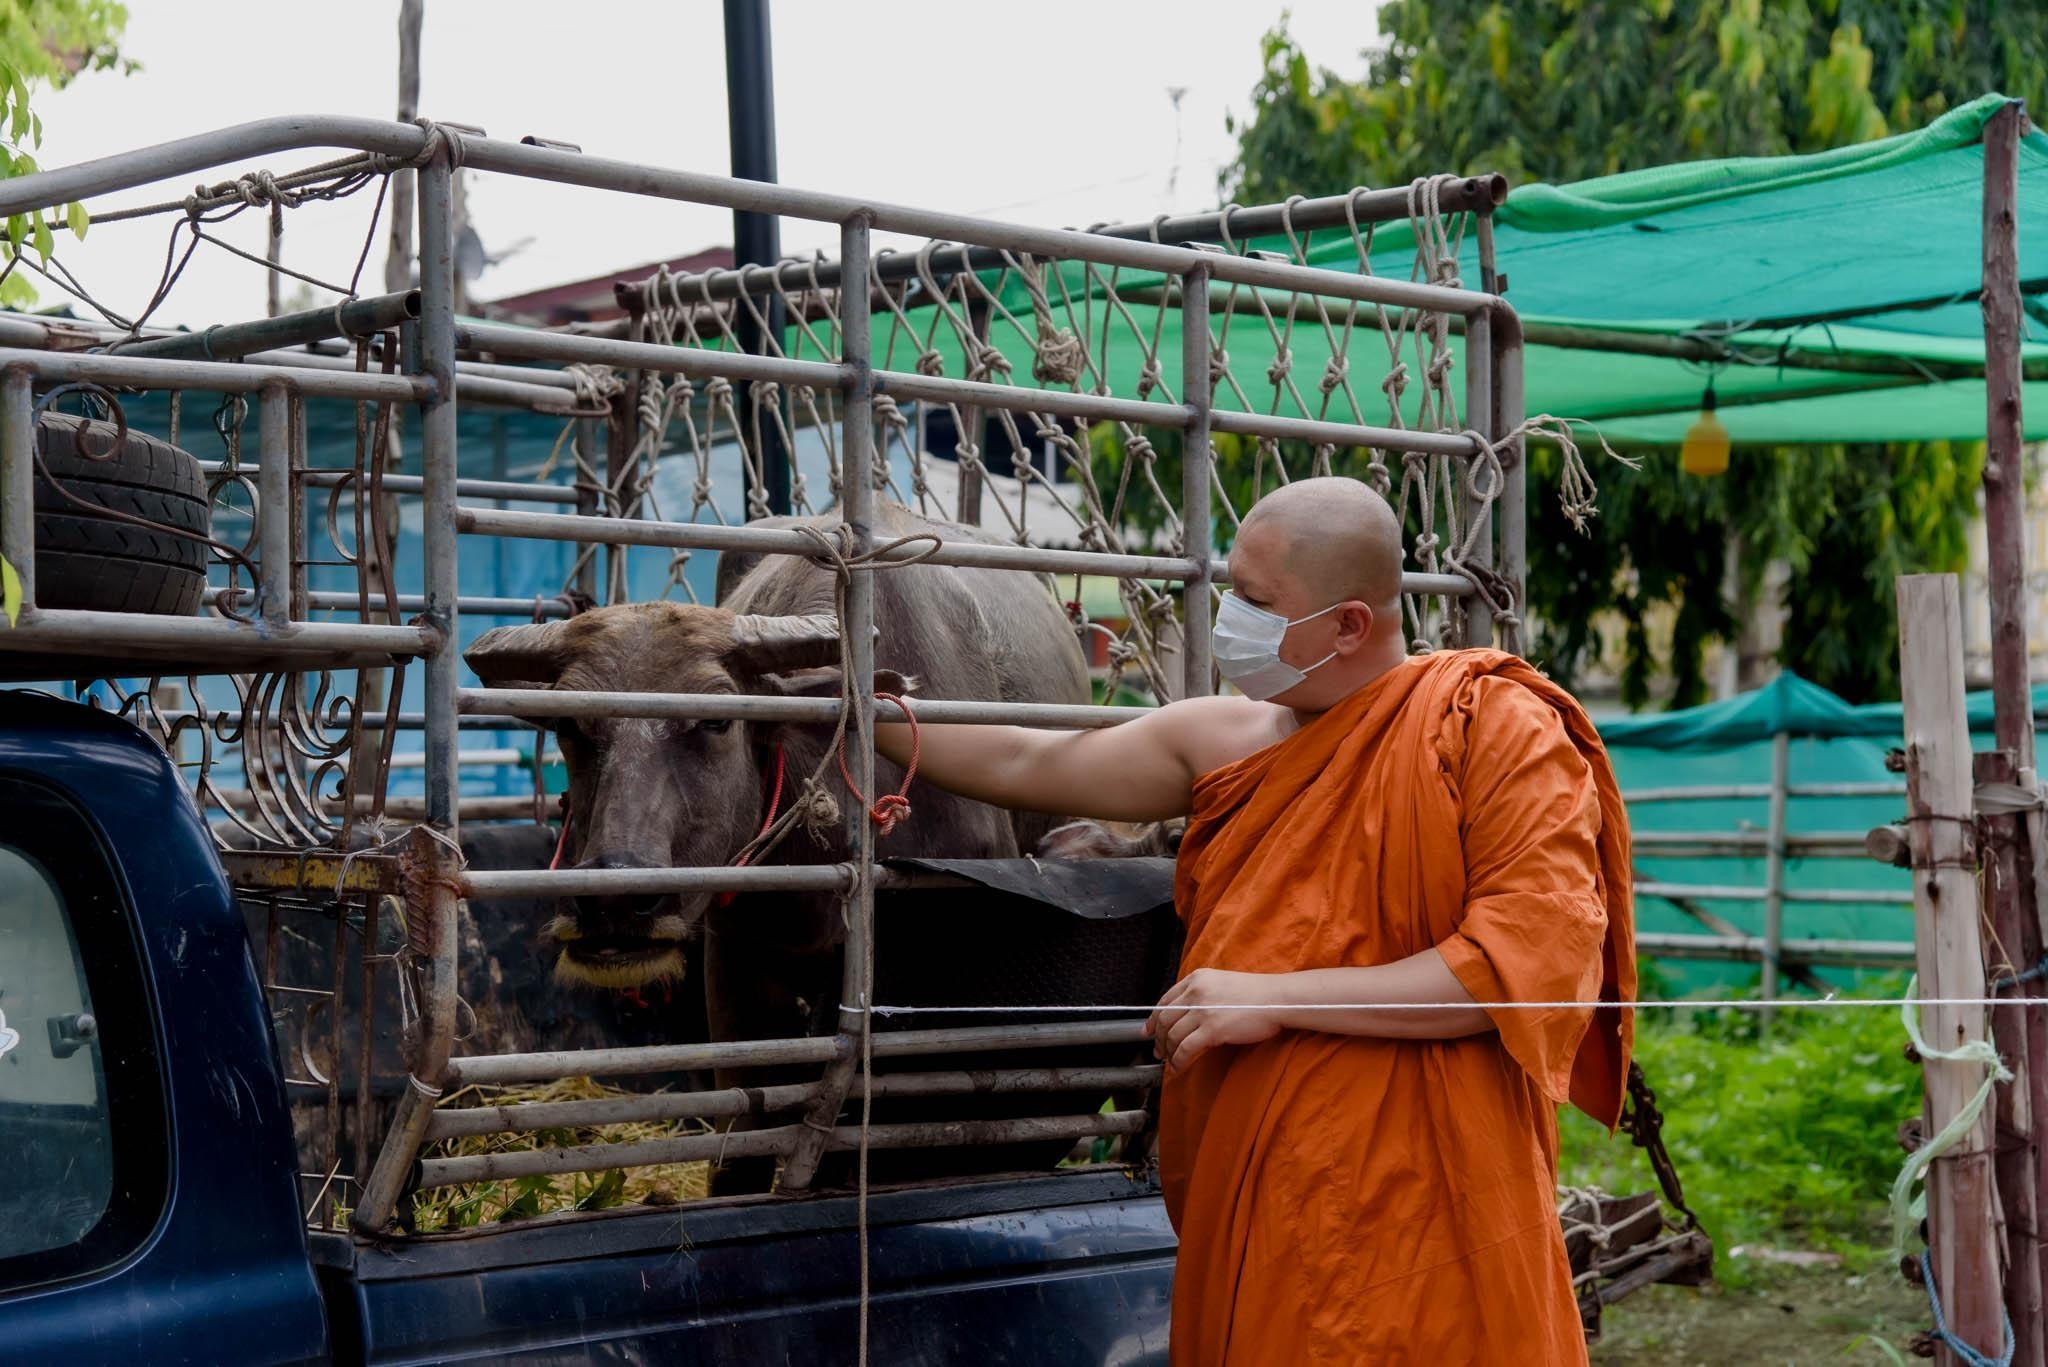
(1907, 1208)
(890, 809)
(1965, 1354)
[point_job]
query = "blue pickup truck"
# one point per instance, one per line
(149, 1187)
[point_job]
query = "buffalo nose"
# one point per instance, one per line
(616, 908)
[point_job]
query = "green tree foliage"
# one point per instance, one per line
(1561, 90)
(46, 43)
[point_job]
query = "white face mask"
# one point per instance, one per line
(1247, 641)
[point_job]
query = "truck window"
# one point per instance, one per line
(82, 1132)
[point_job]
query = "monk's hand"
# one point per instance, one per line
(1212, 1006)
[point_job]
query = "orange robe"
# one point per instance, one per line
(1346, 1200)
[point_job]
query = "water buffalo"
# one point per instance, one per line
(656, 793)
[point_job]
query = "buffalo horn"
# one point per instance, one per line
(777, 644)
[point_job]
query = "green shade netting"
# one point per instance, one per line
(1871, 250)
(1730, 742)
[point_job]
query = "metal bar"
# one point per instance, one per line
(261, 137)
(18, 478)
(706, 536)
(715, 878)
(510, 490)
(67, 632)
(329, 600)
(438, 452)
(903, 384)
(857, 627)
(1774, 866)
(1511, 512)
(1340, 433)
(1480, 417)
(689, 1148)
(467, 758)
(772, 541)
(577, 168)
(226, 342)
(1198, 391)
(756, 237)
(970, 1039)
(273, 495)
(497, 1070)
(737, 1101)
(941, 1134)
(586, 441)
(1332, 211)
(1710, 892)
(622, 1110)
(431, 926)
(504, 1069)
(220, 377)
(546, 702)
(534, 345)
(203, 151)
(991, 1080)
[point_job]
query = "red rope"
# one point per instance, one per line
(724, 899)
(562, 843)
(890, 809)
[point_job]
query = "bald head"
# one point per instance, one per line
(1336, 537)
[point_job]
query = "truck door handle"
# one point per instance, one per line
(69, 1034)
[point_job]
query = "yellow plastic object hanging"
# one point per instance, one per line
(1705, 449)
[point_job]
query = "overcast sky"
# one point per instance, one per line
(1058, 114)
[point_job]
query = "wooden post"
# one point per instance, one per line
(1774, 868)
(2021, 1034)
(1939, 798)
(2017, 909)
(398, 261)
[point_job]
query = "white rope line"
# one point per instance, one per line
(1709, 1004)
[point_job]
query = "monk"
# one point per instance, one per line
(1358, 1132)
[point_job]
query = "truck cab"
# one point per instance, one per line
(150, 1189)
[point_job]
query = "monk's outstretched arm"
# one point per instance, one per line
(1142, 770)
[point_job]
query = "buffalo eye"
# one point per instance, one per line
(569, 733)
(716, 725)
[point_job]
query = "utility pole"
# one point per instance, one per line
(757, 238)
(398, 262)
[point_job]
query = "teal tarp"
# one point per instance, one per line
(1788, 703)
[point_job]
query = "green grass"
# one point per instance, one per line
(1785, 1138)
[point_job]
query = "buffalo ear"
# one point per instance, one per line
(530, 656)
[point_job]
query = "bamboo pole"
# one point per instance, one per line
(2013, 841)
(1961, 1235)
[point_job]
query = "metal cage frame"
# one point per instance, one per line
(244, 359)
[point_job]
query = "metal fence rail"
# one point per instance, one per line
(859, 396)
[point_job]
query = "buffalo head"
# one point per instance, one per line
(648, 794)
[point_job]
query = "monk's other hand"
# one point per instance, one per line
(1187, 1022)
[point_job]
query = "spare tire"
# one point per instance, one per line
(87, 558)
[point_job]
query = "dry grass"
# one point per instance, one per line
(522, 1198)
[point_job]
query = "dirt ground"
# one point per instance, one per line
(1798, 1316)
